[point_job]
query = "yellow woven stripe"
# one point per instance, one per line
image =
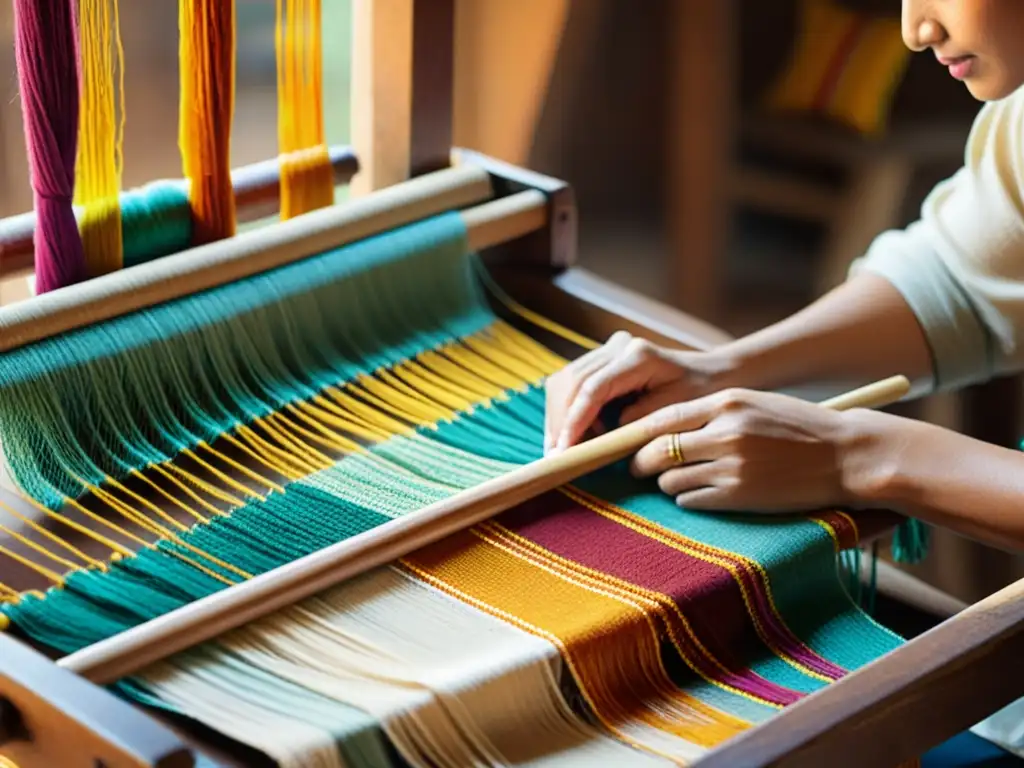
(657, 602)
(609, 641)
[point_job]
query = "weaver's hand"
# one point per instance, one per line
(756, 451)
(622, 366)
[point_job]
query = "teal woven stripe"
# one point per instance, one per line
(114, 397)
(259, 537)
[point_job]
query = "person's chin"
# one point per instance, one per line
(992, 88)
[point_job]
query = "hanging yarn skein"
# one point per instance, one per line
(46, 50)
(207, 56)
(307, 181)
(101, 136)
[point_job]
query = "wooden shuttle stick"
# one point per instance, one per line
(257, 194)
(127, 653)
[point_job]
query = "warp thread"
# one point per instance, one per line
(46, 48)
(207, 60)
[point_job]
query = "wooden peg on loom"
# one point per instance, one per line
(127, 653)
(257, 194)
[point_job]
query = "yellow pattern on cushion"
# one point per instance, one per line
(845, 66)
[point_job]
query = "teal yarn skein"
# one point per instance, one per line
(156, 221)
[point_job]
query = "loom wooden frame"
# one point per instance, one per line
(891, 710)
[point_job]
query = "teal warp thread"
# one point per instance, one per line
(910, 542)
(139, 389)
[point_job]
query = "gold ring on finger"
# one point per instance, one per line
(675, 449)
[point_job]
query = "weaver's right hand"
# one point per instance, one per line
(625, 365)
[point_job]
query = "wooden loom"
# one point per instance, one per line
(55, 714)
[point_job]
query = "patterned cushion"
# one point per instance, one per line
(845, 66)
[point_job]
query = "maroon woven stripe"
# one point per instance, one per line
(706, 594)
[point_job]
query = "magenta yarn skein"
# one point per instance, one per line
(46, 48)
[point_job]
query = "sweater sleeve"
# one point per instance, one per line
(960, 267)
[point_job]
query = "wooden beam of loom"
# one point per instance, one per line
(246, 254)
(91, 726)
(896, 708)
(257, 194)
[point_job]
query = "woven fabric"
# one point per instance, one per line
(607, 621)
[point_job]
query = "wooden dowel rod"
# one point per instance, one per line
(127, 653)
(875, 395)
(257, 194)
(505, 219)
(244, 255)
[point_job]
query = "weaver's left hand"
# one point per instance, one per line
(754, 451)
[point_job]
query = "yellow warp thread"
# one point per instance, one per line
(306, 437)
(38, 548)
(100, 136)
(53, 576)
(307, 179)
(49, 535)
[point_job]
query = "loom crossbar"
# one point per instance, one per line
(257, 194)
(244, 255)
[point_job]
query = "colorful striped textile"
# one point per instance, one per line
(595, 625)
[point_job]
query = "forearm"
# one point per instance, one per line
(942, 478)
(861, 331)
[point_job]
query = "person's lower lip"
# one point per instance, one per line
(961, 69)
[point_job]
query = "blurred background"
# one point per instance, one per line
(730, 157)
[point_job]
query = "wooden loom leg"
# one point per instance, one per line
(402, 89)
